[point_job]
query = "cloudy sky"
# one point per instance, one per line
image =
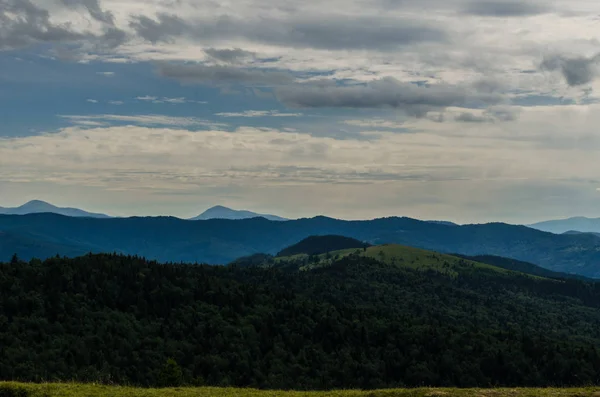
(464, 110)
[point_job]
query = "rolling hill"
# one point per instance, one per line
(315, 245)
(219, 241)
(384, 316)
(302, 256)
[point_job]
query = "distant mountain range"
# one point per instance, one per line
(217, 241)
(579, 224)
(38, 206)
(220, 212)
(216, 212)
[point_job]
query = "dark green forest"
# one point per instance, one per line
(357, 323)
(316, 245)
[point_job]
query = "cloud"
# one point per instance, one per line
(116, 102)
(575, 70)
(107, 74)
(505, 8)
(178, 100)
(229, 55)
(164, 28)
(329, 32)
(258, 113)
(415, 100)
(146, 98)
(217, 75)
(94, 9)
(460, 169)
(174, 100)
(24, 23)
(467, 117)
(145, 119)
(490, 115)
(376, 123)
(91, 100)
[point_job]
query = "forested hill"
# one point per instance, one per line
(220, 241)
(315, 245)
(355, 322)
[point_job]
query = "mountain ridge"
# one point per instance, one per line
(578, 223)
(219, 241)
(39, 206)
(222, 212)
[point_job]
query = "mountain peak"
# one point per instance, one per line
(221, 212)
(39, 206)
(219, 208)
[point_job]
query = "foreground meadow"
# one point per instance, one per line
(11, 389)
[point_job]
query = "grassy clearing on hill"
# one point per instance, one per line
(10, 389)
(400, 255)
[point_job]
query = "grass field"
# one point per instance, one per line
(9, 389)
(404, 256)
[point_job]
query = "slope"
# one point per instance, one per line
(391, 254)
(358, 323)
(520, 266)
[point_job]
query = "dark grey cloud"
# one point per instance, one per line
(505, 8)
(93, 8)
(331, 33)
(164, 28)
(24, 23)
(229, 55)
(415, 100)
(219, 75)
(576, 71)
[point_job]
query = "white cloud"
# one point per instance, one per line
(91, 100)
(116, 102)
(375, 123)
(146, 119)
(178, 100)
(475, 172)
(258, 113)
(174, 100)
(107, 74)
(146, 98)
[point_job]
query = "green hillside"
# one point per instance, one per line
(91, 390)
(391, 254)
(359, 322)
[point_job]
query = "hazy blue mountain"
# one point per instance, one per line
(222, 241)
(523, 267)
(578, 232)
(220, 212)
(38, 206)
(580, 224)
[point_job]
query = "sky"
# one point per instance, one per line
(461, 110)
